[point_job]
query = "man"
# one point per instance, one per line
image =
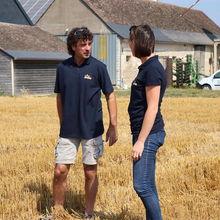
(79, 82)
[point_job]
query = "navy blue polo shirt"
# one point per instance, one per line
(80, 88)
(151, 73)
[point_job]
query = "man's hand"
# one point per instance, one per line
(137, 150)
(112, 135)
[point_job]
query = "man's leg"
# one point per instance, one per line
(59, 183)
(92, 151)
(65, 155)
(91, 187)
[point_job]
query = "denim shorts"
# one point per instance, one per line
(67, 148)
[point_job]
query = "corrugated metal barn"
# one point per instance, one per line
(28, 59)
(28, 71)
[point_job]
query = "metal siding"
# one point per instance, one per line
(35, 8)
(36, 55)
(118, 62)
(5, 73)
(35, 77)
(110, 60)
(95, 46)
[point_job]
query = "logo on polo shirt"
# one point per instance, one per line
(134, 83)
(88, 76)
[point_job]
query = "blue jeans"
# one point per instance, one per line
(144, 175)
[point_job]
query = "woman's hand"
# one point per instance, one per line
(137, 150)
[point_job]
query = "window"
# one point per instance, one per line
(217, 76)
(128, 58)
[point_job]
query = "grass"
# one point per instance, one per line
(192, 92)
(170, 92)
(188, 164)
(178, 92)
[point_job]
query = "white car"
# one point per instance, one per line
(211, 83)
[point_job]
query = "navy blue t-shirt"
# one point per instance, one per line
(151, 73)
(80, 88)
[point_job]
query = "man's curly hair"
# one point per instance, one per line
(75, 35)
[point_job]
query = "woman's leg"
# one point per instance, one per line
(144, 175)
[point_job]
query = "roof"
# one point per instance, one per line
(35, 8)
(156, 14)
(169, 36)
(28, 38)
(35, 55)
(11, 11)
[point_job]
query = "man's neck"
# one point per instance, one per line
(78, 61)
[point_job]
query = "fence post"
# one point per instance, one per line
(169, 71)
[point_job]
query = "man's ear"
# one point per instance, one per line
(74, 47)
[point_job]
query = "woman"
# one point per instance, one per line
(147, 124)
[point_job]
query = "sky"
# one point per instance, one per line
(210, 7)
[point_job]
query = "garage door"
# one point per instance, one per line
(34, 77)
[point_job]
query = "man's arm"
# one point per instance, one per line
(59, 107)
(112, 132)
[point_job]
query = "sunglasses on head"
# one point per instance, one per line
(79, 31)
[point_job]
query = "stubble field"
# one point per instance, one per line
(188, 165)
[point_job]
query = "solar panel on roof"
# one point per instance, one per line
(22, 1)
(35, 8)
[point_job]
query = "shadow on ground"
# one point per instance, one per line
(74, 204)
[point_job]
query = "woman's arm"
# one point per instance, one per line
(152, 98)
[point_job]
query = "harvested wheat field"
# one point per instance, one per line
(188, 167)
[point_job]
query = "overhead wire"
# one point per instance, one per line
(190, 8)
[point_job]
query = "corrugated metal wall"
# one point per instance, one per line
(118, 62)
(104, 49)
(34, 77)
(5, 74)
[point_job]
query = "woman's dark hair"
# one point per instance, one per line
(144, 40)
(75, 35)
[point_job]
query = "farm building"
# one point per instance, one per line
(28, 59)
(176, 35)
